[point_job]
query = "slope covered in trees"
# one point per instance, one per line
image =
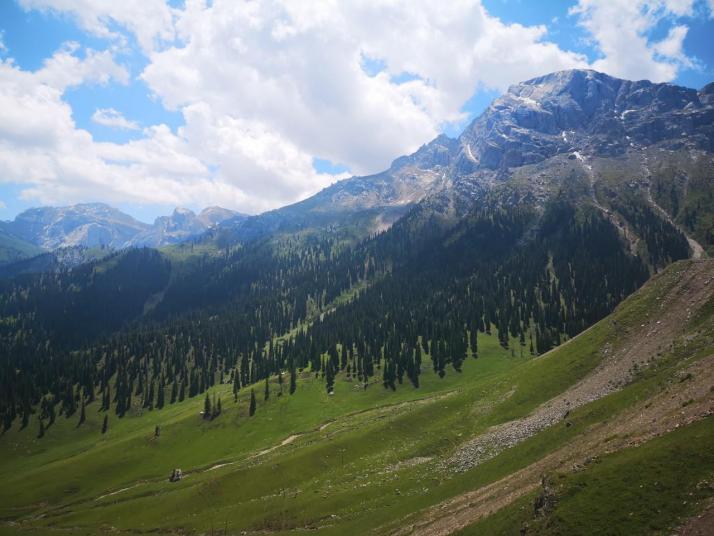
(404, 462)
(373, 308)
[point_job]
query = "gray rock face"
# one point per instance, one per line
(180, 226)
(212, 216)
(586, 111)
(92, 224)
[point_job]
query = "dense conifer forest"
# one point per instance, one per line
(266, 307)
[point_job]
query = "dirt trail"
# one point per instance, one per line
(661, 413)
(288, 440)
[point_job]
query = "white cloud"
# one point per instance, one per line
(672, 46)
(109, 117)
(295, 68)
(41, 147)
(151, 21)
(64, 69)
(620, 29)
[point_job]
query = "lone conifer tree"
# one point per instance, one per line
(207, 407)
(105, 424)
(251, 410)
(161, 399)
(82, 415)
(236, 386)
(474, 342)
(293, 380)
(267, 389)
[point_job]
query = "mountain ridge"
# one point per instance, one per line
(516, 131)
(101, 225)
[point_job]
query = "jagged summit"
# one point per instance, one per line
(583, 110)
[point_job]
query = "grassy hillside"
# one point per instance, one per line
(465, 452)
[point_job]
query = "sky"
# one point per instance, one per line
(151, 104)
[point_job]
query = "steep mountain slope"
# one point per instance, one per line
(13, 248)
(358, 206)
(58, 260)
(395, 463)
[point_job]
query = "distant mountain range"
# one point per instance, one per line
(93, 225)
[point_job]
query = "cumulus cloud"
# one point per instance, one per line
(109, 117)
(620, 29)
(151, 21)
(297, 69)
(41, 147)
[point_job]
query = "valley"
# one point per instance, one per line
(508, 332)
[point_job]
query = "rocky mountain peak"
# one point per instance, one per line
(582, 110)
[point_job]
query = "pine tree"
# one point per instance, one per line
(82, 415)
(151, 395)
(207, 407)
(293, 380)
(161, 400)
(236, 385)
(105, 424)
(330, 377)
(251, 410)
(474, 342)
(267, 389)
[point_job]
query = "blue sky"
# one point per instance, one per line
(149, 105)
